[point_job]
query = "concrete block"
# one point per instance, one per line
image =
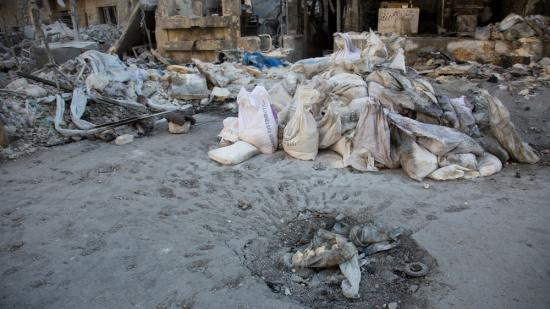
(61, 52)
(249, 43)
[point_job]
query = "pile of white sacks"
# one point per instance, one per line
(367, 106)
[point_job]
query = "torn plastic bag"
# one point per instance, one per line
(261, 61)
(466, 160)
(438, 140)
(230, 131)
(326, 249)
(59, 111)
(257, 121)
(349, 86)
(78, 108)
(489, 165)
(233, 154)
(301, 137)
(415, 160)
(449, 172)
(108, 65)
(369, 233)
(352, 272)
(379, 247)
(505, 132)
(372, 138)
(279, 96)
(330, 129)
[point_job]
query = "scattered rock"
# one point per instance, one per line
(179, 129)
(220, 94)
(124, 139)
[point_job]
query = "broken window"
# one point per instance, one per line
(107, 15)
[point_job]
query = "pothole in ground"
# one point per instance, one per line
(383, 282)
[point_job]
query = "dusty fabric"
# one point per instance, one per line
(257, 123)
(279, 96)
(370, 233)
(437, 139)
(233, 154)
(466, 160)
(327, 249)
(489, 165)
(491, 145)
(416, 161)
(230, 131)
(372, 138)
(301, 137)
(349, 86)
(505, 132)
(330, 129)
(449, 172)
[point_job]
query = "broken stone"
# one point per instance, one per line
(220, 94)
(178, 69)
(179, 129)
(124, 139)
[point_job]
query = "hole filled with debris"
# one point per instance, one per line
(394, 269)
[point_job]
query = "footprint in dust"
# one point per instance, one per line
(174, 300)
(129, 262)
(456, 208)
(198, 266)
(206, 247)
(93, 244)
(409, 212)
(190, 183)
(166, 192)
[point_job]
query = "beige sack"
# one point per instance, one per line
(301, 137)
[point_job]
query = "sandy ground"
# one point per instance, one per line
(156, 224)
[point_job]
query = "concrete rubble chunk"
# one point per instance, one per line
(124, 139)
(220, 94)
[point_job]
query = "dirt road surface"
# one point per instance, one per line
(156, 224)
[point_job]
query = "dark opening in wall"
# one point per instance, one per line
(107, 15)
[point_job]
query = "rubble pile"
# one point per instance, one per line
(102, 33)
(514, 27)
(375, 112)
(103, 90)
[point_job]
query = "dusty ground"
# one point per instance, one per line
(155, 224)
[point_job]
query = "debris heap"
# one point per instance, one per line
(377, 113)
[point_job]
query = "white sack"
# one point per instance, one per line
(301, 137)
(257, 122)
